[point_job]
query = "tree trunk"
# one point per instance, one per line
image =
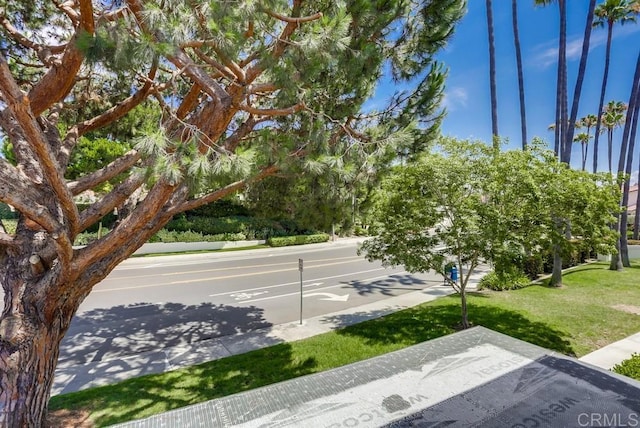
(565, 146)
(464, 311)
(31, 328)
(616, 259)
(603, 91)
(492, 71)
(636, 220)
(580, 79)
(516, 40)
(556, 275)
(28, 368)
(625, 162)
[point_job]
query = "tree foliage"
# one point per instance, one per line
(236, 91)
(469, 203)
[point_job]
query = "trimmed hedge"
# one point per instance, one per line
(504, 281)
(251, 227)
(629, 367)
(285, 241)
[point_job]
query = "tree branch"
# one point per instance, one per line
(293, 19)
(182, 61)
(120, 109)
(233, 140)
(112, 200)
(102, 175)
(221, 69)
(28, 43)
(18, 104)
(226, 190)
(145, 212)
(273, 112)
(15, 191)
(60, 78)
(283, 41)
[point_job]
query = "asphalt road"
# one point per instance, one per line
(153, 302)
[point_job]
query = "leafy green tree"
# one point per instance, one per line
(427, 214)
(468, 203)
(242, 90)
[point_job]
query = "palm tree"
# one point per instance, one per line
(583, 138)
(588, 122)
(625, 161)
(492, 71)
(609, 12)
(580, 78)
(561, 88)
(516, 40)
(612, 118)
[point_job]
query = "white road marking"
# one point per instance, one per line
(329, 297)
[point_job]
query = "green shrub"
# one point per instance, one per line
(10, 225)
(6, 212)
(629, 367)
(284, 241)
(533, 266)
(168, 236)
(85, 238)
(251, 227)
(504, 281)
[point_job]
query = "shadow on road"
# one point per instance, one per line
(119, 331)
(389, 285)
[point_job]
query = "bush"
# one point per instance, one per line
(251, 227)
(504, 281)
(6, 212)
(629, 367)
(168, 236)
(297, 240)
(85, 238)
(533, 266)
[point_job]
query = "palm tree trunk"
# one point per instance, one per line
(632, 117)
(516, 39)
(580, 79)
(636, 220)
(625, 161)
(603, 91)
(492, 71)
(584, 155)
(610, 148)
(565, 147)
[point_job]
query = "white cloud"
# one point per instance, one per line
(548, 51)
(455, 97)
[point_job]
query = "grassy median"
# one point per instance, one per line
(595, 307)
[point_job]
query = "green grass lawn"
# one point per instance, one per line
(590, 311)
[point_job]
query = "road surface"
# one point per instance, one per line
(154, 302)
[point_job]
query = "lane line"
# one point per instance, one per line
(310, 266)
(293, 283)
(323, 288)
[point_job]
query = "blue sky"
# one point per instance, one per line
(467, 95)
